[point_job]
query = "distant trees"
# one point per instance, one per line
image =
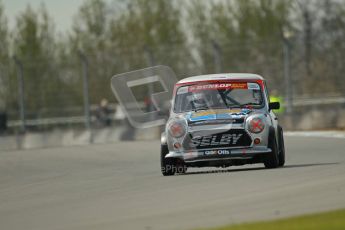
(143, 33)
(4, 60)
(90, 41)
(248, 33)
(193, 37)
(34, 46)
(150, 32)
(4, 39)
(319, 42)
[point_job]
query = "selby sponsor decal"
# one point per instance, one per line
(195, 88)
(214, 140)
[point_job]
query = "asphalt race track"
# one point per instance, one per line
(119, 186)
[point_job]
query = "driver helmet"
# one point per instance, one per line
(201, 99)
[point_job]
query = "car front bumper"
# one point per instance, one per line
(220, 154)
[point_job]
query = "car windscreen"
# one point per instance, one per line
(218, 96)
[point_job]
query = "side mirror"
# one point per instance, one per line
(273, 105)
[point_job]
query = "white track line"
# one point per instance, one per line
(329, 134)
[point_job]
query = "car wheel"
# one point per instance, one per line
(168, 167)
(281, 147)
(272, 159)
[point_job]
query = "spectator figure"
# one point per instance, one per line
(149, 107)
(3, 122)
(103, 113)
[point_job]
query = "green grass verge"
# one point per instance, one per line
(334, 220)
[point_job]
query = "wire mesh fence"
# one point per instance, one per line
(69, 90)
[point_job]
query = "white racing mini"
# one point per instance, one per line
(221, 120)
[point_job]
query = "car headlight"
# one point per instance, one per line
(256, 124)
(177, 128)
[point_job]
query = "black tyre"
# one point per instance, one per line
(272, 159)
(281, 147)
(168, 167)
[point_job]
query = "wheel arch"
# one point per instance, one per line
(163, 138)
